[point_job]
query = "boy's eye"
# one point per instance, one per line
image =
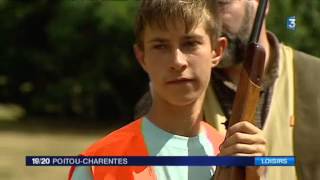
(191, 44)
(159, 46)
(224, 2)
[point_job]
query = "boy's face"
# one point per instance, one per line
(178, 63)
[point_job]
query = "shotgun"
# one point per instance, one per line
(248, 93)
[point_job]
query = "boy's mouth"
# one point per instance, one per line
(180, 80)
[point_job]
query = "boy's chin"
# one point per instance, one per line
(183, 100)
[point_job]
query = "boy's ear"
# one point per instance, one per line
(217, 53)
(139, 53)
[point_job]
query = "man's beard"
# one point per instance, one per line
(237, 42)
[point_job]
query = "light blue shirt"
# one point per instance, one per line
(162, 143)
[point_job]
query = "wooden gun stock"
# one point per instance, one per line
(246, 100)
(248, 91)
(244, 107)
(248, 94)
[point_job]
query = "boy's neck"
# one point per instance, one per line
(179, 120)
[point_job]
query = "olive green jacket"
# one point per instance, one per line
(307, 112)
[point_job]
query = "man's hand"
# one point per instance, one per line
(243, 139)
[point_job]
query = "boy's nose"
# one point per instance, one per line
(179, 62)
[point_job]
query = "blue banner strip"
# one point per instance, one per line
(275, 161)
(159, 161)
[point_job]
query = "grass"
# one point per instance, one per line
(22, 139)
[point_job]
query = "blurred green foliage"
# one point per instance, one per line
(74, 57)
(307, 14)
(70, 58)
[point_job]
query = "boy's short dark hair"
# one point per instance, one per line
(192, 12)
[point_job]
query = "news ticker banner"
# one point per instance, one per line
(159, 161)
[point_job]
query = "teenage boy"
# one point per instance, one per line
(177, 45)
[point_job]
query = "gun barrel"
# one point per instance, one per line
(258, 21)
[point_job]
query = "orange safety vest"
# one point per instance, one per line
(129, 141)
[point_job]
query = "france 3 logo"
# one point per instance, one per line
(291, 23)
